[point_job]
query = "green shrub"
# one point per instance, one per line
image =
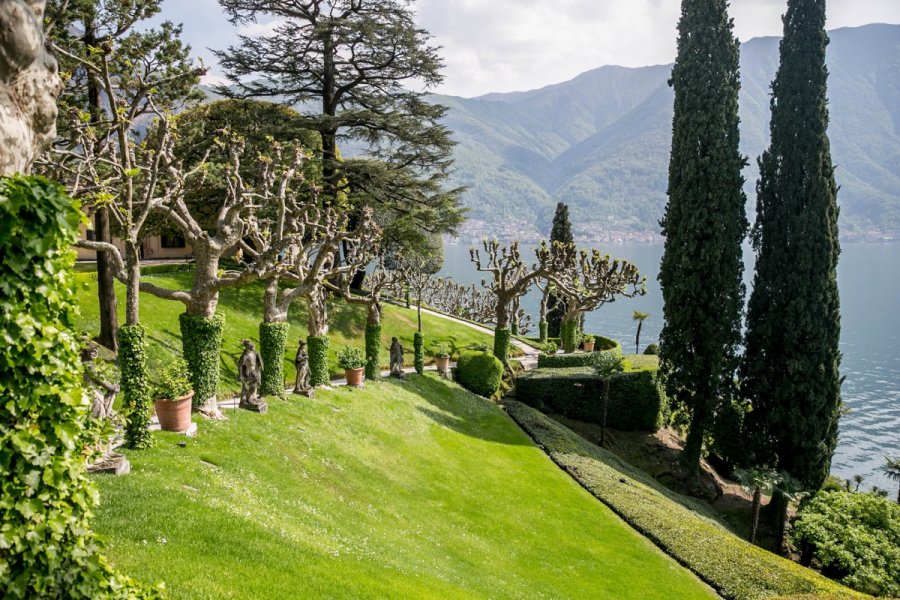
(637, 400)
(542, 331)
(173, 383)
(502, 335)
(350, 358)
(856, 538)
(604, 347)
(569, 336)
(135, 384)
(201, 341)
(652, 349)
(682, 527)
(549, 348)
(272, 346)
(419, 352)
(46, 499)
(317, 348)
(480, 372)
(373, 351)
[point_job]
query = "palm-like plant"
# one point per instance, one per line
(606, 368)
(892, 470)
(791, 490)
(758, 482)
(639, 317)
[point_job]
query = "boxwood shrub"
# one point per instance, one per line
(502, 335)
(419, 352)
(480, 372)
(201, 341)
(373, 350)
(602, 346)
(637, 401)
(317, 347)
(272, 345)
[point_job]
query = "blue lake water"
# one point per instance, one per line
(869, 280)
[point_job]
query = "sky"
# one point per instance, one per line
(514, 45)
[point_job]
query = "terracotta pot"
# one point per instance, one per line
(174, 415)
(589, 346)
(442, 363)
(354, 377)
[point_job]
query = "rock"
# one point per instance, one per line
(111, 464)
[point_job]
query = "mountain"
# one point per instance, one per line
(600, 142)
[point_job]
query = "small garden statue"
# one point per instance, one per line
(103, 395)
(301, 362)
(397, 359)
(250, 373)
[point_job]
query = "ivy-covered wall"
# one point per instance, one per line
(201, 342)
(272, 344)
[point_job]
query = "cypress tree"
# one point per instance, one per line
(562, 233)
(704, 222)
(791, 365)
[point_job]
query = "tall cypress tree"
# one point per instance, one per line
(562, 233)
(791, 366)
(704, 223)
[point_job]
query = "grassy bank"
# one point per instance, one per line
(417, 489)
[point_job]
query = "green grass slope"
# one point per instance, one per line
(243, 312)
(413, 489)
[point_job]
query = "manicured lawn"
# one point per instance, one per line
(417, 489)
(243, 312)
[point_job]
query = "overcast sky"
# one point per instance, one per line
(508, 45)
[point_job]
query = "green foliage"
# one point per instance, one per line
(135, 384)
(569, 336)
(603, 346)
(480, 372)
(351, 358)
(637, 400)
(201, 342)
(652, 349)
(317, 348)
(441, 350)
(173, 382)
(373, 351)
(46, 498)
(549, 348)
(419, 352)
(561, 232)
(272, 346)
(542, 331)
(502, 335)
(587, 339)
(704, 223)
(791, 369)
(856, 538)
(682, 527)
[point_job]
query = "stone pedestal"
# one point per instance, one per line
(111, 464)
(258, 406)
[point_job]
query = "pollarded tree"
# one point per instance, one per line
(560, 232)
(791, 368)
(704, 223)
(417, 271)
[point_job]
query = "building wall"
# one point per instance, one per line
(151, 248)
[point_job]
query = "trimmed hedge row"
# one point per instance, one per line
(480, 372)
(637, 401)
(373, 349)
(201, 342)
(272, 345)
(602, 346)
(735, 568)
(317, 348)
(135, 383)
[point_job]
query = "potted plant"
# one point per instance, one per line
(442, 357)
(172, 395)
(352, 361)
(588, 342)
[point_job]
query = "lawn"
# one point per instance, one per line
(243, 312)
(413, 489)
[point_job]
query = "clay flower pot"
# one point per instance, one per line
(589, 346)
(354, 377)
(442, 363)
(174, 415)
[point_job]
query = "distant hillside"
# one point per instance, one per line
(601, 141)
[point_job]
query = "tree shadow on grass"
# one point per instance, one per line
(454, 408)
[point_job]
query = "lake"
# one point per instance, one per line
(869, 280)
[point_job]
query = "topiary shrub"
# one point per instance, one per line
(652, 349)
(46, 547)
(317, 347)
(855, 537)
(373, 350)
(480, 372)
(542, 331)
(135, 383)
(419, 352)
(272, 346)
(502, 335)
(201, 342)
(569, 336)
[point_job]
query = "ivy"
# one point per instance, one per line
(272, 344)
(46, 498)
(135, 386)
(201, 342)
(501, 344)
(419, 352)
(373, 349)
(317, 346)
(542, 327)
(569, 332)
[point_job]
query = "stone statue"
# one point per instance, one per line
(301, 362)
(103, 394)
(29, 84)
(397, 359)
(250, 373)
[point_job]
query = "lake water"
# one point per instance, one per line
(869, 280)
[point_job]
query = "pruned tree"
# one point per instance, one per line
(418, 270)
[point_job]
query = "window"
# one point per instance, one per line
(89, 235)
(172, 240)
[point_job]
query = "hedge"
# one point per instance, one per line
(201, 341)
(569, 335)
(419, 352)
(502, 335)
(637, 401)
(272, 346)
(480, 372)
(602, 346)
(317, 347)
(135, 383)
(373, 350)
(46, 498)
(682, 527)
